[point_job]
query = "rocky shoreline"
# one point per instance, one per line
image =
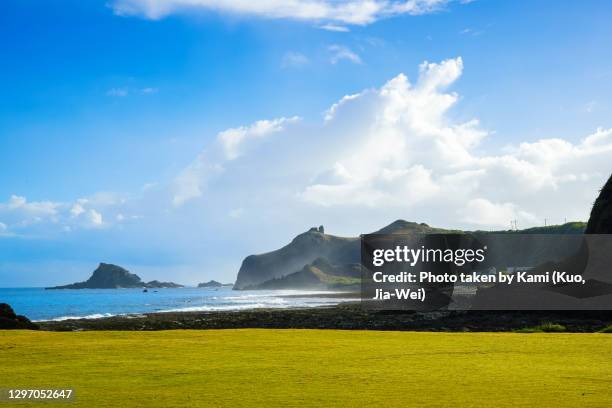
(345, 317)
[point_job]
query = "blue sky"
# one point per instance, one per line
(114, 122)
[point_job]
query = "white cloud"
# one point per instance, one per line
(482, 212)
(4, 230)
(44, 218)
(341, 52)
(33, 210)
(230, 145)
(189, 184)
(590, 106)
(118, 92)
(294, 59)
(123, 92)
(18, 212)
(334, 27)
(398, 152)
(331, 112)
(77, 208)
(95, 218)
(359, 12)
(471, 32)
(235, 140)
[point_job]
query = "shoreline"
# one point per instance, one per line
(345, 316)
(112, 303)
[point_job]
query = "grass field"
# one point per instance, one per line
(312, 368)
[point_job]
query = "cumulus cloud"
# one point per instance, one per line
(397, 152)
(43, 218)
(18, 212)
(234, 141)
(341, 52)
(36, 208)
(230, 145)
(359, 12)
(482, 212)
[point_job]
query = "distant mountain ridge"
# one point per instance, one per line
(109, 276)
(335, 253)
(315, 260)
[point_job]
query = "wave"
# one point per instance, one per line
(285, 292)
(90, 316)
(218, 308)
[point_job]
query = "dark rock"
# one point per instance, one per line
(600, 221)
(109, 276)
(10, 320)
(346, 316)
(158, 284)
(210, 284)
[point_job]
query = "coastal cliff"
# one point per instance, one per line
(600, 221)
(302, 250)
(316, 260)
(293, 266)
(320, 274)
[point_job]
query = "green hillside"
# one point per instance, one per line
(574, 227)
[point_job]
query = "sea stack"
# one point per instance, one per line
(109, 276)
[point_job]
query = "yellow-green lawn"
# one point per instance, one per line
(311, 368)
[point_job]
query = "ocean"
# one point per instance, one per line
(40, 304)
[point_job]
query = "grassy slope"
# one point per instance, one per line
(333, 279)
(575, 227)
(312, 368)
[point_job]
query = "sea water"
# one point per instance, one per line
(40, 304)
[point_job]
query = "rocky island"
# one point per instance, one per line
(213, 284)
(109, 276)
